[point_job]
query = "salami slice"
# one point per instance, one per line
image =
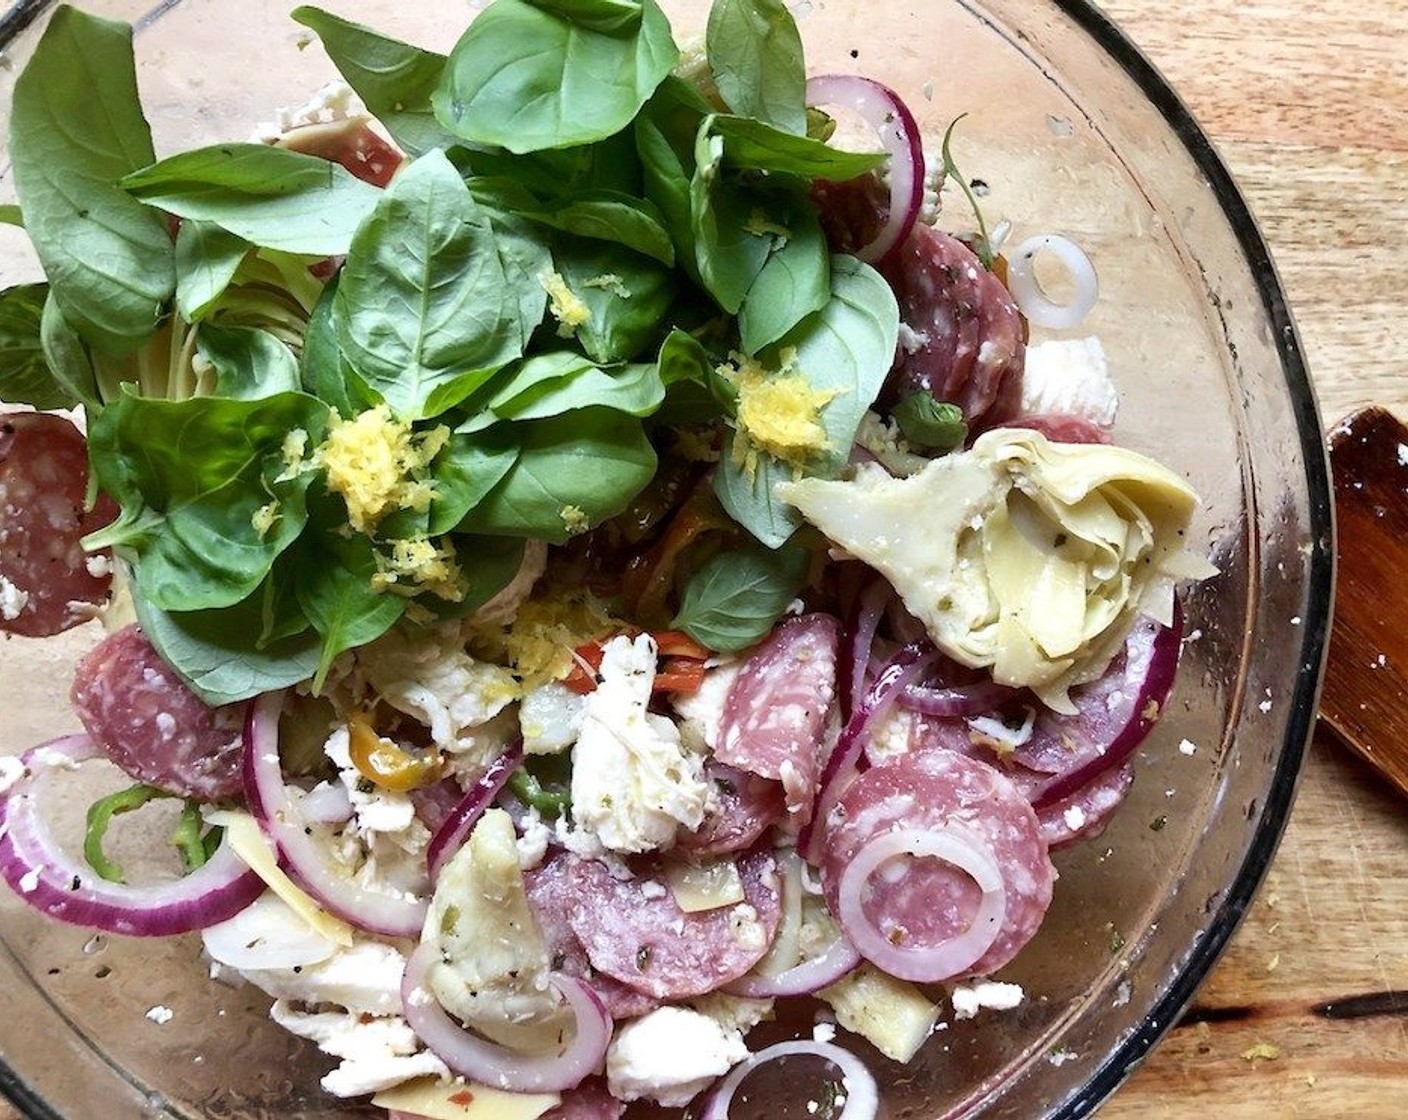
(554, 894)
(352, 143)
(928, 901)
(966, 342)
(743, 808)
(1062, 427)
(46, 579)
(776, 711)
(1084, 814)
(591, 1100)
(634, 930)
(852, 212)
(152, 725)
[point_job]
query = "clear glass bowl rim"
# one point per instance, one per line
(1280, 796)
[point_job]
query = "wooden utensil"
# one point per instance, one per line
(1365, 698)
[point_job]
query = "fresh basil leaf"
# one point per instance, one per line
(560, 381)
(608, 216)
(393, 79)
(67, 356)
(729, 251)
(333, 585)
(11, 215)
(753, 144)
(736, 597)
(522, 247)
(281, 615)
(249, 363)
(487, 566)
(216, 653)
(749, 498)
(192, 477)
(755, 55)
(269, 196)
(795, 281)
(24, 372)
(207, 259)
(464, 472)
(423, 310)
(574, 471)
(848, 347)
(929, 423)
(610, 164)
(322, 370)
(76, 128)
(526, 79)
(628, 296)
(611, 17)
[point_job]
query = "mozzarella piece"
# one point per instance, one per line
(670, 1055)
(364, 979)
(704, 710)
(376, 1053)
(551, 718)
(1070, 376)
(633, 783)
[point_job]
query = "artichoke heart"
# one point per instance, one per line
(1021, 555)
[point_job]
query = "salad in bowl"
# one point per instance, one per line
(604, 561)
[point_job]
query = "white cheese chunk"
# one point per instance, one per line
(670, 1055)
(633, 782)
(376, 1053)
(1070, 376)
(968, 999)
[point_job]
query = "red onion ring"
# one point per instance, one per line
(307, 860)
(491, 1064)
(1027, 292)
(955, 700)
(869, 608)
(922, 963)
(898, 131)
(465, 815)
(47, 878)
(910, 662)
(862, 1094)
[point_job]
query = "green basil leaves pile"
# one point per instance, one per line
(562, 148)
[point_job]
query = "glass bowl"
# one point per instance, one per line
(1071, 130)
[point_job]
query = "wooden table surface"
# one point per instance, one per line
(1308, 103)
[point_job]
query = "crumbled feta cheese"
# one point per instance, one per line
(160, 1015)
(363, 979)
(968, 999)
(670, 1055)
(376, 1053)
(534, 836)
(1071, 376)
(336, 101)
(29, 882)
(12, 600)
(1074, 816)
(633, 784)
(1000, 735)
(1187, 746)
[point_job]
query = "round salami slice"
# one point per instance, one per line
(634, 930)
(553, 893)
(152, 725)
(1062, 427)
(352, 143)
(46, 579)
(743, 808)
(965, 343)
(776, 712)
(591, 1100)
(927, 901)
(1084, 814)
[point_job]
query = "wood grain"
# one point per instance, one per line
(1309, 106)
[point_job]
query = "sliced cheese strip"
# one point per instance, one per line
(248, 841)
(463, 1100)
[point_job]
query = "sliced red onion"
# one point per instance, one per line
(781, 972)
(267, 934)
(898, 132)
(498, 1066)
(922, 963)
(465, 815)
(1151, 664)
(869, 609)
(955, 700)
(1032, 300)
(861, 1093)
(308, 860)
(899, 672)
(47, 878)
